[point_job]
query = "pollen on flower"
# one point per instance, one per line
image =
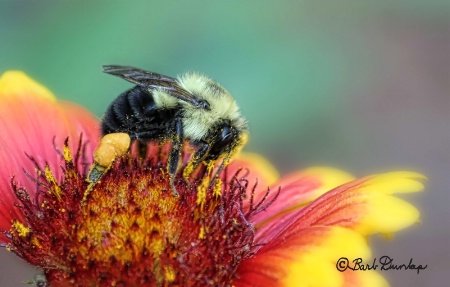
(217, 191)
(111, 147)
(36, 242)
(55, 188)
(21, 229)
(201, 192)
(202, 232)
(67, 154)
(169, 274)
(131, 230)
(188, 170)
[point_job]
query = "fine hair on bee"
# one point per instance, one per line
(190, 108)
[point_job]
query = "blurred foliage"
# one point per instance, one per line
(294, 66)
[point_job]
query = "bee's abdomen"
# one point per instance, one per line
(134, 112)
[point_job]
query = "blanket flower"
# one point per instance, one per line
(249, 229)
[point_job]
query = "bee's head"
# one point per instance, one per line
(225, 138)
(221, 123)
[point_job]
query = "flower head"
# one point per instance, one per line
(127, 227)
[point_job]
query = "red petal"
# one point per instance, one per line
(366, 205)
(299, 189)
(311, 215)
(81, 121)
(30, 119)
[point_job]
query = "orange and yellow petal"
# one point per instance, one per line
(299, 189)
(31, 118)
(384, 213)
(305, 259)
(366, 205)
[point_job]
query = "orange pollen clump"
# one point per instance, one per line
(132, 230)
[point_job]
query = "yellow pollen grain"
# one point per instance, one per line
(124, 219)
(169, 273)
(122, 193)
(87, 192)
(51, 178)
(110, 148)
(36, 242)
(201, 192)
(188, 170)
(154, 193)
(21, 229)
(67, 154)
(210, 167)
(170, 204)
(141, 185)
(202, 233)
(140, 221)
(157, 247)
(217, 192)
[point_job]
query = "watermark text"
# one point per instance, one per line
(383, 263)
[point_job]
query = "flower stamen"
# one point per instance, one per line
(130, 228)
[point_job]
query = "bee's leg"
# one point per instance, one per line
(223, 164)
(103, 159)
(176, 133)
(197, 158)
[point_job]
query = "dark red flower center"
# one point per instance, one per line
(132, 230)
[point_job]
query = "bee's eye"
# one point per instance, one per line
(225, 137)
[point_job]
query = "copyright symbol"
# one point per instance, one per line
(342, 264)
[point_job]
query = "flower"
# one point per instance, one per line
(129, 229)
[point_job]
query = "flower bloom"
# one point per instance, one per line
(129, 229)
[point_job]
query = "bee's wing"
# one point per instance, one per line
(154, 81)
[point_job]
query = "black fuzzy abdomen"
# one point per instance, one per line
(134, 112)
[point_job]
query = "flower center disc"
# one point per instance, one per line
(133, 230)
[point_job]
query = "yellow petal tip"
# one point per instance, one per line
(267, 170)
(395, 182)
(387, 214)
(17, 83)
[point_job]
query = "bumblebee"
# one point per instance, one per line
(189, 108)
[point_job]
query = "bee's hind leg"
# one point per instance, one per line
(176, 134)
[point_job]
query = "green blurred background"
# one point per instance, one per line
(361, 85)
